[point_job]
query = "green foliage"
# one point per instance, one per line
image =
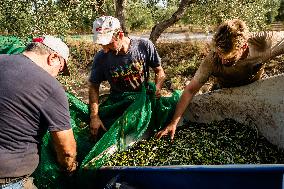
(61, 17)
(15, 16)
(30, 17)
(47, 16)
(138, 16)
(145, 14)
(205, 13)
(280, 16)
(256, 13)
(161, 10)
(272, 8)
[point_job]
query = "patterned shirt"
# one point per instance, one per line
(125, 72)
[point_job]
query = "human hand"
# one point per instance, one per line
(95, 125)
(70, 170)
(170, 129)
(158, 93)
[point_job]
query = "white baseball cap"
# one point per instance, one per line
(57, 45)
(103, 29)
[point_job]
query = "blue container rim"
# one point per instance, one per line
(202, 168)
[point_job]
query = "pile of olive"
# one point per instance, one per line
(224, 142)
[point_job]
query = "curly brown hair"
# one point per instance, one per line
(230, 36)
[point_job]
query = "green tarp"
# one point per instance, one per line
(129, 117)
(11, 45)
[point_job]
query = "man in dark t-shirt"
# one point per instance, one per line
(123, 62)
(32, 101)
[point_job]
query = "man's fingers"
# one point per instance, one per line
(172, 135)
(103, 127)
(157, 135)
(166, 132)
(160, 134)
(158, 95)
(94, 132)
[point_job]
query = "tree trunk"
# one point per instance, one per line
(119, 13)
(158, 29)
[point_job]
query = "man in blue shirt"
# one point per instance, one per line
(123, 62)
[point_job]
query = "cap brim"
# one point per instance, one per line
(103, 39)
(65, 71)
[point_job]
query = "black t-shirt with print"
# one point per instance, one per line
(125, 72)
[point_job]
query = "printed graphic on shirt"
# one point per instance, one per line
(128, 76)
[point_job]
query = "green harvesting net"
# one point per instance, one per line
(129, 117)
(11, 45)
(48, 174)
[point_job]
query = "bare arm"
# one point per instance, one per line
(94, 99)
(278, 49)
(201, 76)
(274, 41)
(65, 147)
(190, 90)
(159, 79)
(95, 122)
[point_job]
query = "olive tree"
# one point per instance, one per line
(280, 16)
(257, 13)
(158, 29)
(34, 17)
(16, 17)
(213, 12)
(31, 17)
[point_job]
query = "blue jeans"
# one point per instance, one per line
(22, 184)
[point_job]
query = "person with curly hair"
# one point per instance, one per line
(237, 58)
